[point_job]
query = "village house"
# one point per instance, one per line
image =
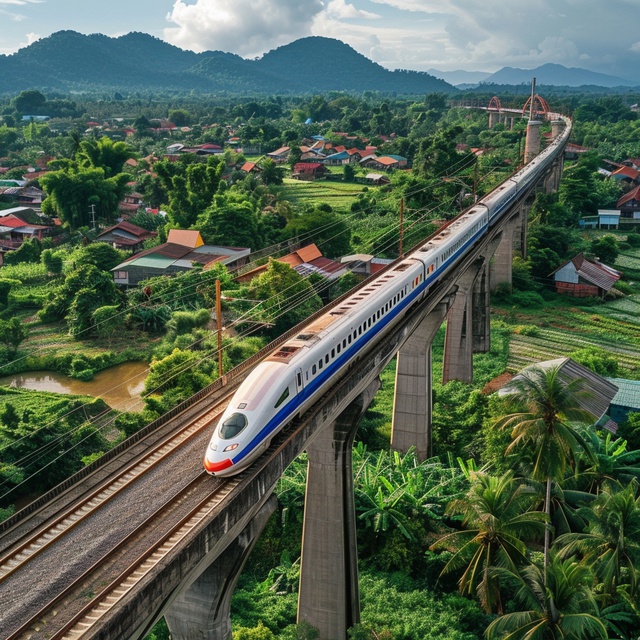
(626, 174)
(308, 171)
(305, 261)
(126, 236)
(19, 224)
(183, 251)
(280, 156)
(582, 278)
(130, 204)
(629, 204)
(377, 179)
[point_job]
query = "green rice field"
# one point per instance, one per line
(562, 328)
(339, 195)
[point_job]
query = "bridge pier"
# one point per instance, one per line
(501, 268)
(328, 597)
(481, 316)
(202, 610)
(458, 343)
(413, 400)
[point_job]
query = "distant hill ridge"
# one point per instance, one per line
(68, 60)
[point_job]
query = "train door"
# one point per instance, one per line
(299, 381)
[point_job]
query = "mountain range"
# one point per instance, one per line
(547, 74)
(71, 61)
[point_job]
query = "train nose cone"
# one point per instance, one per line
(216, 467)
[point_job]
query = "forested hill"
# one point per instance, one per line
(68, 60)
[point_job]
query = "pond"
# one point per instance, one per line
(120, 386)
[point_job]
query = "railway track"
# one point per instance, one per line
(22, 555)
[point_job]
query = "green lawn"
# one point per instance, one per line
(339, 195)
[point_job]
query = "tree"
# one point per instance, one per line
(231, 223)
(287, 298)
(326, 229)
(497, 520)
(29, 102)
(611, 541)
(559, 605)
(12, 333)
(271, 172)
(100, 254)
(73, 191)
(52, 261)
(605, 248)
(542, 424)
(104, 154)
(107, 321)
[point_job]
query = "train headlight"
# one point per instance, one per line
(231, 447)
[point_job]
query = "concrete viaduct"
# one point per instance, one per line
(192, 587)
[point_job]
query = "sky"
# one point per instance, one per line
(473, 35)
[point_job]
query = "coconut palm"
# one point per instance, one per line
(498, 517)
(611, 541)
(546, 410)
(556, 605)
(611, 466)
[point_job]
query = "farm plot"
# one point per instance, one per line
(553, 343)
(338, 195)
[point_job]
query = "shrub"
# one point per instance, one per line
(623, 287)
(597, 360)
(527, 299)
(527, 330)
(633, 240)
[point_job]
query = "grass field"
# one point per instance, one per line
(339, 195)
(563, 327)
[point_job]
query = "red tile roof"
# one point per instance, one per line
(634, 194)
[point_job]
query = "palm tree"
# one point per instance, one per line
(611, 541)
(558, 604)
(611, 466)
(497, 516)
(545, 408)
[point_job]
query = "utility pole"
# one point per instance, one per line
(93, 216)
(219, 327)
(401, 225)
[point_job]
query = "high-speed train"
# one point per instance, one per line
(291, 378)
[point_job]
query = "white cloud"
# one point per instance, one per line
(246, 27)
(31, 38)
(341, 10)
(635, 47)
(20, 2)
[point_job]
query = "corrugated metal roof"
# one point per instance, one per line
(601, 390)
(598, 274)
(628, 393)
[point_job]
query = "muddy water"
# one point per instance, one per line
(120, 386)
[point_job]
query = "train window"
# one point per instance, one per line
(282, 398)
(338, 348)
(326, 359)
(233, 425)
(320, 365)
(360, 330)
(344, 343)
(349, 338)
(299, 379)
(333, 353)
(313, 370)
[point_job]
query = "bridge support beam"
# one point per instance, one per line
(412, 404)
(532, 143)
(502, 261)
(458, 344)
(328, 597)
(202, 611)
(521, 231)
(481, 315)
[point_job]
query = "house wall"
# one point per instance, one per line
(577, 290)
(567, 274)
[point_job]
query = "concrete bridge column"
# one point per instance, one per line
(502, 262)
(532, 144)
(202, 611)
(412, 405)
(494, 118)
(329, 598)
(458, 343)
(521, 230)
(481, 315)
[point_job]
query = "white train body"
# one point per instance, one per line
(289, 380)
